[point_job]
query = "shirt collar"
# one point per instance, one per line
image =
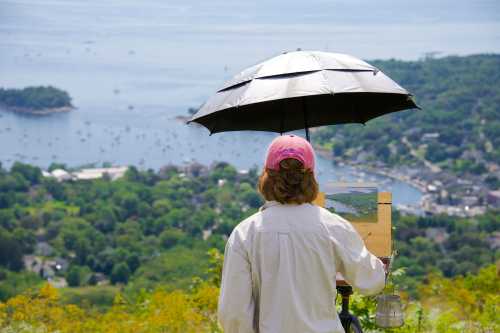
(268, 204)
(273, 203)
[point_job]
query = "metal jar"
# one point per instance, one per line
(389, 311)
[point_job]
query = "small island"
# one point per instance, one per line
(35, 100)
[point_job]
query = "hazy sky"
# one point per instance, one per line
(371, 29)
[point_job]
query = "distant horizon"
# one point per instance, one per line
(426, 56)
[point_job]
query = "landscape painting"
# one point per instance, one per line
(356, 202)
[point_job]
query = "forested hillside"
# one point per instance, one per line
(147, 229)
(152, 229)
(458, 127)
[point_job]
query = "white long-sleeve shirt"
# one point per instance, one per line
(280, 267)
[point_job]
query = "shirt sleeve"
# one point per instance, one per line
(236, 303)
(360, 268)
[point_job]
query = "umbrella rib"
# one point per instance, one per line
(322, 72)
(282, 120)
(306, 125)
(212, 130)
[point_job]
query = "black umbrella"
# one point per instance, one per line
(302, 89)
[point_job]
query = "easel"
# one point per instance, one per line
(378, 239)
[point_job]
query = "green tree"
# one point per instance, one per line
(133, 262)
(171, 237)
(26, 238)
(73, 276)
(11, 254)
(120, 274)
(30, 173)
(161, 207)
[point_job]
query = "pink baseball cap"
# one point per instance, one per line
(289, 146)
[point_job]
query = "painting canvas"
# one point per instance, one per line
(368, 210)
(356, 202)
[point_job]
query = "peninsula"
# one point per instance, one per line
(35, 100)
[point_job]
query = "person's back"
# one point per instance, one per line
(280, 270)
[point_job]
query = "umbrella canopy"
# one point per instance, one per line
(302, 89)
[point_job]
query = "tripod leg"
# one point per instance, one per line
(345, 320)
(350, 323)
(344, 315)
(355, 325)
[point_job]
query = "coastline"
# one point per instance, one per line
(434, 186)
(390, 173)
(37, 112)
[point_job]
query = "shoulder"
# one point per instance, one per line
(334, 222)
(245, 229)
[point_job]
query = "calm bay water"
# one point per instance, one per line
(133, 66)
(150, 137)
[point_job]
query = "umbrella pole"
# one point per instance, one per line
(306, 125)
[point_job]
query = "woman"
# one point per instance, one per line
(280, 264)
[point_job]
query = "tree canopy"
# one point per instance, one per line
(35, 98)
(458, 127)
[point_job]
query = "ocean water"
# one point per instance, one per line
(133, 66)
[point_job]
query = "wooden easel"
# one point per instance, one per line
(376, 235)
(378, 239)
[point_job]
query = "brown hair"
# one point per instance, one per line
(292, 184)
